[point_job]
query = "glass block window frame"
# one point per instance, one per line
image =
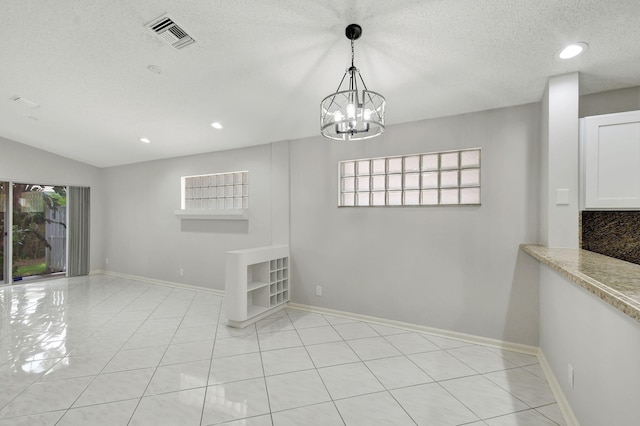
(219, 191)
(444, 178)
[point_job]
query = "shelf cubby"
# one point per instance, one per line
(256, 283)
(257, 301)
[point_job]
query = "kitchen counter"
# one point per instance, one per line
(615, 281)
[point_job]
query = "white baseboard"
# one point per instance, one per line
(164, 283)
(515, 347)
(253, 320)
(569, 416)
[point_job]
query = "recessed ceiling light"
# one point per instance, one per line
(145, 140)
(24, 102)
(216, 125)
(573, 50)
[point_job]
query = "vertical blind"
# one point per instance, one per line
(78, 223)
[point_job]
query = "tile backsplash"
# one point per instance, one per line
(612, 233)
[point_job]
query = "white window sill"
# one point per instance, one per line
(212, 214)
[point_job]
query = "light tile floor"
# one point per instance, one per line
(101, 350)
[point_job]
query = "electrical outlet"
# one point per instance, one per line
(318, 290)
(181, 272)
(570, 375)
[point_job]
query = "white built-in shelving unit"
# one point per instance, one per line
(256, 283)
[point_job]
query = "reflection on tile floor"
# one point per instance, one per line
(101, 350)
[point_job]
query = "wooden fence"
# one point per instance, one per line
(56, 235)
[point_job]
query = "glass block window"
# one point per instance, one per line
(429, 179)
(216, 191)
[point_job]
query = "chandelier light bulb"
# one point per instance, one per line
(351, 111)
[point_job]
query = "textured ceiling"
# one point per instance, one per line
(262, 67)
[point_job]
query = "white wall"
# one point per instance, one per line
(24, 164)
(543, 206)
(559, 162)
(453, 268)
(600, 342)
(145, 238)
(280, 192)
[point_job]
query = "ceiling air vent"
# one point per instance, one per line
(170, 32)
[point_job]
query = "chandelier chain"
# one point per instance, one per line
(352, 53)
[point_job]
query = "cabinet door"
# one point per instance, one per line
(612, 161)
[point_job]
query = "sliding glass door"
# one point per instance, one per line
(39, 231)
(3, 232)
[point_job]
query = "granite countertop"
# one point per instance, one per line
(615, 281)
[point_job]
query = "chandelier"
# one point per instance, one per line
(354, 112)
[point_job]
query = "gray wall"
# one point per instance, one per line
(24, 164)
(453, 268)
(145, 237)
(600, 342)
(620, 100)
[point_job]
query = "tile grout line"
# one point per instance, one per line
(264, 375)
(213, 348)
(316, 368)
(67, 354)
(491, 381)
(44, 372)
(163, 354)
(122, 346)
(442, 387)
(546, 405)
(116, 352)
(385, 388)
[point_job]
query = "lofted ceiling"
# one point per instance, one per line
(261, 67)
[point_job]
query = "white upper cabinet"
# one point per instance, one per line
(610, 151)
